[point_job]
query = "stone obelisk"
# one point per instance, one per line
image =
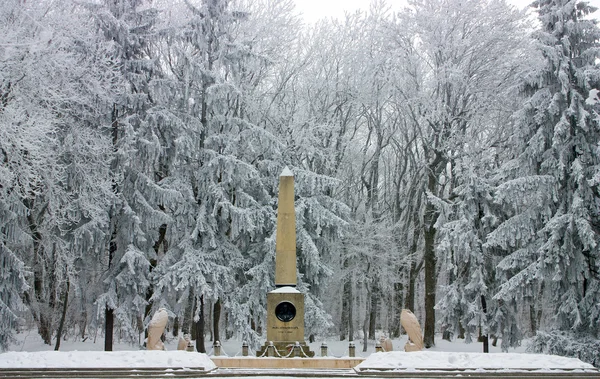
(285, 242)
(285, 304)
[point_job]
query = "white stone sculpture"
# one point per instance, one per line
(183, 342)
(410, 323)
(156, 329)
(386, 343)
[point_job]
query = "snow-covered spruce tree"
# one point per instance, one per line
(142, 130)
(466, 306)
(320, 220)
(550, 189)
(224, 171)
(83, 192)
(468, 213)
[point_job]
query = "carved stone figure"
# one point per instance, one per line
(156, 329)
(183, 342)
(410, 323)
(386, 343)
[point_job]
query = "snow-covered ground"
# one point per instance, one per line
(31, 352)
(438, 360)
(101, 359)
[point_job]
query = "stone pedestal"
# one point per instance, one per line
(285, 315)
(285, 321)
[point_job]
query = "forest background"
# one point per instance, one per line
(446, 159)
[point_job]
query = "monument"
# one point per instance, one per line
(285, 304)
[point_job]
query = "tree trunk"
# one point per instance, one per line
(160, 242)
(228, 332)
(430, 217)
(373, 312)
(461, 331)
(533, 318)
(409, 302)
(200, 328)
(430, 285)
(366, 328)
(216, 319)
(108, 312)
(484, 339)
(344, 312)
(62, 317)
(187, 322)
(366, 321)
(397, 309)
(210, 315)
(350, 314)
(108, 329)
(176, 326)
(43, 315)
(346, 293)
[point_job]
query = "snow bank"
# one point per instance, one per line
(398, 360)
(113, 359)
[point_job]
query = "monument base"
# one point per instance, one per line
(326, 363)
(285, 349)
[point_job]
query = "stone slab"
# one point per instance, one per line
(287, 363)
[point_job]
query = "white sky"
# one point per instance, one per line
(317, 9)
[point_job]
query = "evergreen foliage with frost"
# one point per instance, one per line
(141, 127)
(549, 189)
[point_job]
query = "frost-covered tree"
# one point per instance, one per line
(142, 127)
(54, 89)
(25, 129)
(465, 61)
(489, 49)
(224, 170)
(551, 232)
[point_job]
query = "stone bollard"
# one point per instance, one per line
(378, 348)
(217, 348)
(271, 349)
(351, 350)
(324, 349)
(297, 349)
(244, 349)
